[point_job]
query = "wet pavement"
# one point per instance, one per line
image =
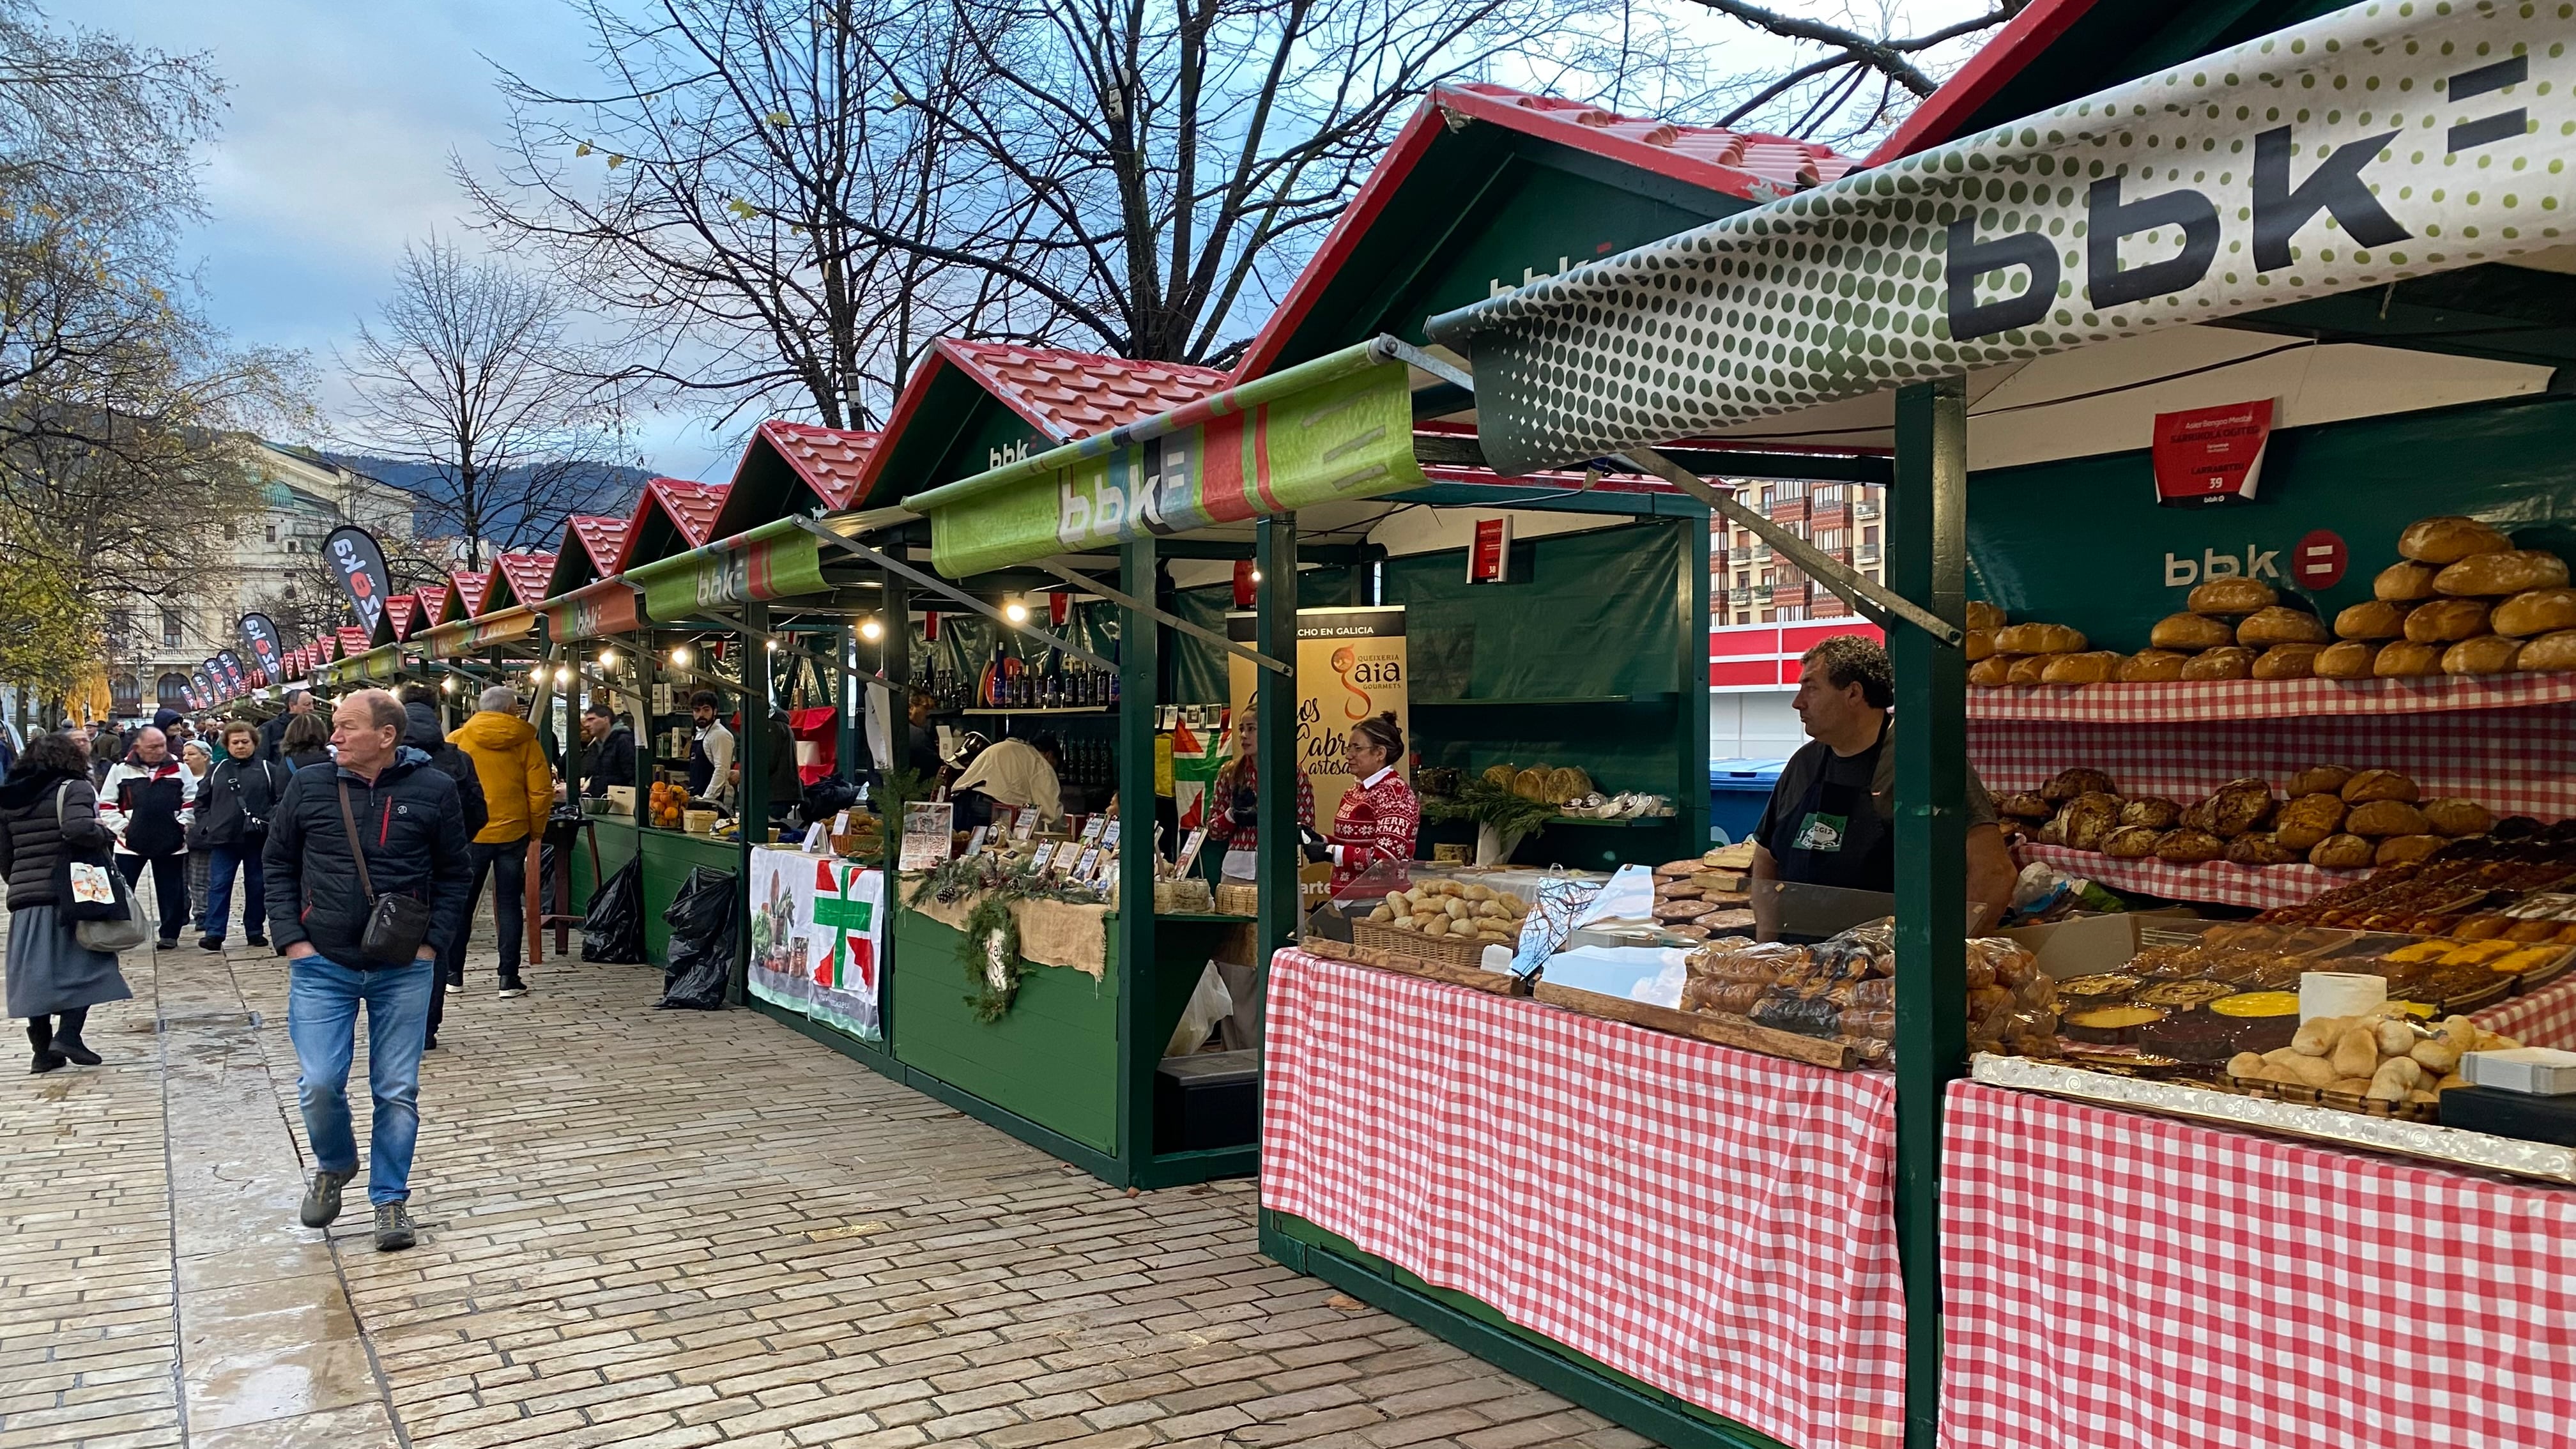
(648, 1229)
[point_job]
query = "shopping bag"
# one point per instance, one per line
(122, 932)
(87, 884)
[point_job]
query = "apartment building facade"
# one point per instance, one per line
(1764, 612)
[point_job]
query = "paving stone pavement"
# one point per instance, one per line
(648, 1229)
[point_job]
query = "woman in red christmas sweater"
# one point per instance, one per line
(1379, 816)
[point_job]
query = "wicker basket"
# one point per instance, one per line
(1235, 898)
(2340, 1101)
(1451, 951)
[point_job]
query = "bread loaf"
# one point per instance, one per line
(1982, 615)
(2446, 621)
(2512, 572)
(2406, 849)
(2535, 611)
(2027, 669)
(2347, 660)
(1991, 672)
(2075, 784)
(2026, 805)
(2231, 596)
(2402, 659)
(2372, 785)
(2387, 817)
(2342, 852)
(2238, 806)
(2277, 625)
(2319, 779)
(2451, 815)
(2288, 661)
(2403, 583)
(2153, 811)
(2091, 667)
(2448, 539)
(2262, 848)
(2090, 819)
(2231, 662)
(2186, 846)
(2132, 842)
(2151, 666)
(2308, 819)
(2191, 633)
(1979, 644)
(2550, 651)
(2038, 639)
(2486, 654)
(2378, 619)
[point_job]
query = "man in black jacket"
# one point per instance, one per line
(608, 749)
(380, 823)
(421, 731)
(273, 733)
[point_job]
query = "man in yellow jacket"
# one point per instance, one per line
(519, 793)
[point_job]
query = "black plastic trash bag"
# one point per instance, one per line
(701, 919)
(614, 930)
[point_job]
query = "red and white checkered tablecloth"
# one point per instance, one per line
(2221, 700)
(2261, 886)
(1715, 1223)
(2518, 761)
(2121, 1281)
(2545, 1018)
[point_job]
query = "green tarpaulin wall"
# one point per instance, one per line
(2083, 542)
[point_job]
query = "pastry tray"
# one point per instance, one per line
(2449, 1146)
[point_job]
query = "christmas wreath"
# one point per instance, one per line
(990, 952)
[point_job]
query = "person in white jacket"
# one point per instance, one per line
(149, 802)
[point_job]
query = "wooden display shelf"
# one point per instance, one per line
(2207, 701)
(1724, 1030)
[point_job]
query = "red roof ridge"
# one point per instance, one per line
(1067, 394)
(832, 461)
(603, 537)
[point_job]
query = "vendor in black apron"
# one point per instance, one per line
(1831, 817)
(710, 750)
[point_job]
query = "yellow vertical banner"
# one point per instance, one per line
(1351, 664)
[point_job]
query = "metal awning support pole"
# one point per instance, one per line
(1277, 857)
(1146, 610)
(945, 589)
(1883, 606)
(1928, 510)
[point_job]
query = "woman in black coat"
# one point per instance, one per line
(53, 980)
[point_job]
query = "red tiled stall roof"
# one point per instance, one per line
(1070, 395)
(433, 603)
(672, 516)
(602, 537)
(524, 574)
(471, 590)
(1750, 164)
(832, 461)
(402, 611)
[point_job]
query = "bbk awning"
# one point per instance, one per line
(610, 606)
(381, 663)
(778, 560)
(2381, 142)
(465, 636)
(1339, 427)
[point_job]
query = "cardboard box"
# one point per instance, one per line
(2086, 945)
(2538, 1071)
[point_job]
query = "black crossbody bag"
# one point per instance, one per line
(396, 924)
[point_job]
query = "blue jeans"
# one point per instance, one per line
(221, 861)
(322, 999)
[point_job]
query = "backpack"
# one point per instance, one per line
(454, 763)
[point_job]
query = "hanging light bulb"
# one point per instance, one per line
(871, 630)
(680, 655)
(1016, 611)
(563, 674)
(608, 659)
(771, 646)
(448, 684)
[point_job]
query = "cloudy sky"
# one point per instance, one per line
(336, 144)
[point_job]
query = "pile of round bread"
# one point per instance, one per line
(1557, 786)
(2463, 600)
(2331, 816)
(2381, 1056)
(1446, 908)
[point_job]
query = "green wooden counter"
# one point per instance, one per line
(1051, 1071)
(615, 835)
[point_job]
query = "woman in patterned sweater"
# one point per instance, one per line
(1379, 816)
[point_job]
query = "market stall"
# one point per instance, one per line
(1886, 311)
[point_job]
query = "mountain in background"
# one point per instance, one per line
(602, 489)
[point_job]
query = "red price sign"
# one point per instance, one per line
(2318, 561)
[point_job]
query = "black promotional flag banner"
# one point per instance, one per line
(259, 635)
(205, 682)
(359, 563)
(234, 675)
